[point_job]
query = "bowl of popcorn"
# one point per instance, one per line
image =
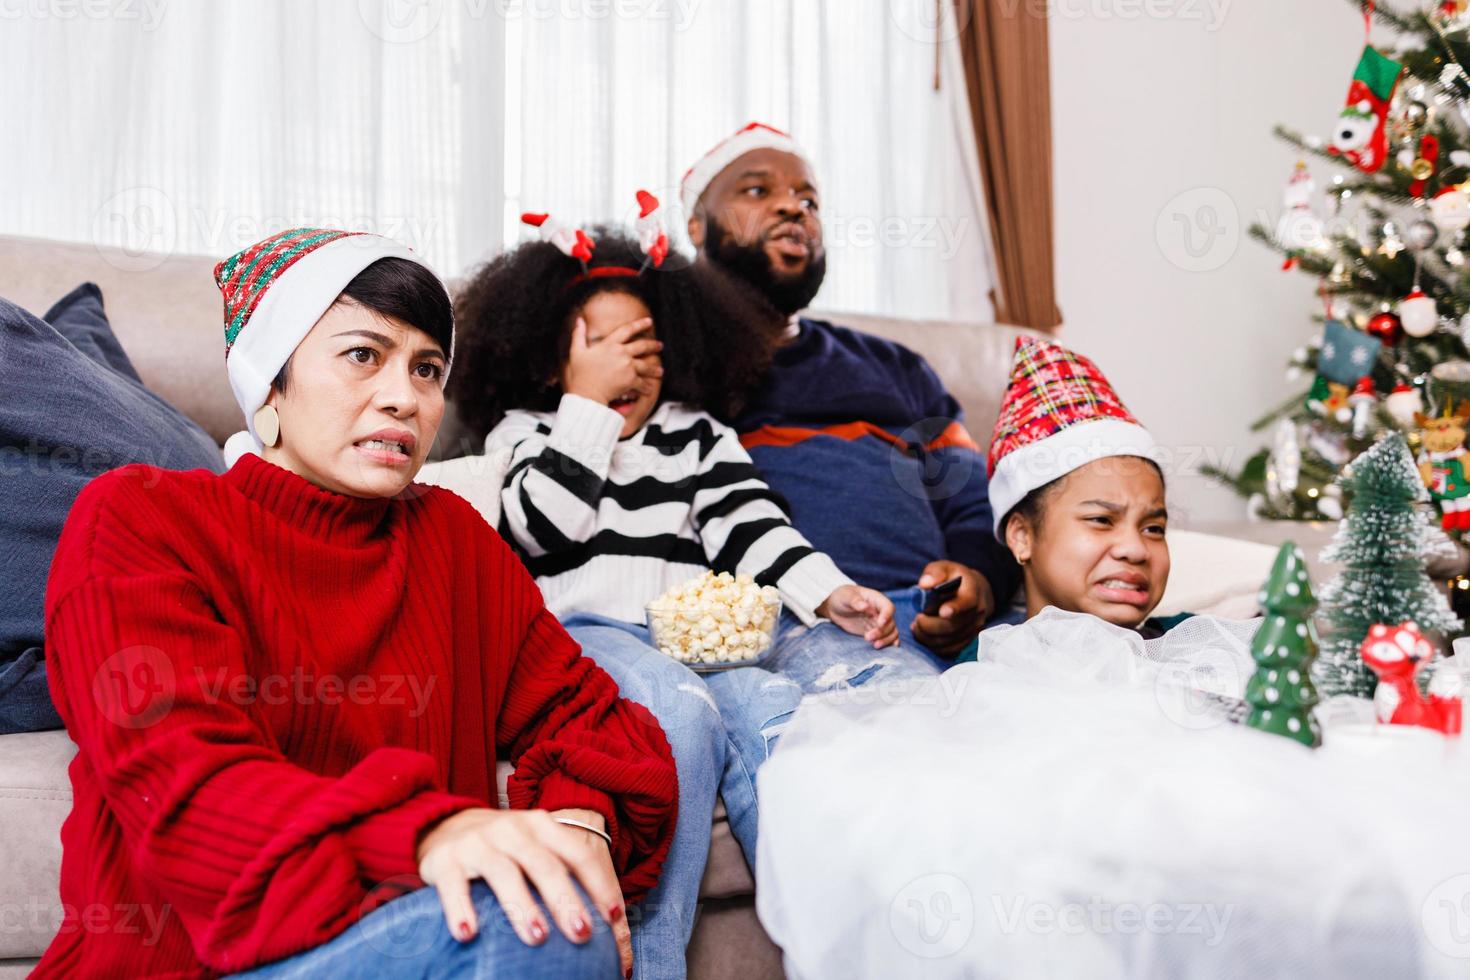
(715, 621)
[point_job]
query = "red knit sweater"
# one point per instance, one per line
(275, 690)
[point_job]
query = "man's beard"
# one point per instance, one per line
(789, 294)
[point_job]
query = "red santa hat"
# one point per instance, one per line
(1059, 414)
(751, 136)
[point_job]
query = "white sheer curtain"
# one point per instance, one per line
(612, 104)
(202, 127)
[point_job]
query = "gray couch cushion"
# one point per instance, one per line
(35, 797)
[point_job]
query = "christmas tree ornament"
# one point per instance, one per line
(1284, 469)
(1391, 245)
(1416, 114)
(1421, 165)
(1385, 326)
(1395, 654)
(1361, 404)
(1299, 230)
(1420, 235)
(1455, 81)
(1329, 442)
(1403, 404)
(1383, 545)
(1450, 210)
(1346, 354)
(1418, 314)
(1442, 464)
(1280, 691)
(1360, 134)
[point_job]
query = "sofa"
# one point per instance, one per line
(166, 312)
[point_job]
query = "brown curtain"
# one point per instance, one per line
(1004, 44)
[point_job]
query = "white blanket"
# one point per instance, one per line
(1066, 808)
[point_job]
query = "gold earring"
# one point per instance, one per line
(268, 426)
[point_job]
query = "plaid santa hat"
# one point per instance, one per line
(274, 292)
(1059, 414)
(751, 136)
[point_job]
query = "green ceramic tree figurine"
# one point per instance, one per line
(1280, 692)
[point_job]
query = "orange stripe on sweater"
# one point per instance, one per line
(776, 435)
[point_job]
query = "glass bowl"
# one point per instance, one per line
(677, 634)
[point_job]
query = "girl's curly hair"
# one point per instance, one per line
(515, 316)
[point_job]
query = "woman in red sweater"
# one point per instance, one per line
(290, 685)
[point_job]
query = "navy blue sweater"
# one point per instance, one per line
(861, 438)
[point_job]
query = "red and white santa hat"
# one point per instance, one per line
(1059, 414)
(751, 136)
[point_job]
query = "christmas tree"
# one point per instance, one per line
(1394, 281)
(1280, 692)
(1383, 544)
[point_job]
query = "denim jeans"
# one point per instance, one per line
(25, 703)
(907, 603)
(711, 755)
(407, 938)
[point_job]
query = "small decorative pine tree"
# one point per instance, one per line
(1280, 692)
(1383, 544)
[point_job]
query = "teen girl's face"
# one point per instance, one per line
(604, 313)
(1100, 545)
(363, 401)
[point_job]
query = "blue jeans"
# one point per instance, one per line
(907, 603)
(408, 938)
(711, 755)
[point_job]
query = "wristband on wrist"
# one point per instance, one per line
(568, 821)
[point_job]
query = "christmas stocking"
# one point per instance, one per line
(1360, 135)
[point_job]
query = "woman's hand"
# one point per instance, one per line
(607, 368)
(514, 850)
(862, 612)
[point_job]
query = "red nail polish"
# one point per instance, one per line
(614, 912)
(538, 931)
(464, 930)
(628, 974)
(580, 926)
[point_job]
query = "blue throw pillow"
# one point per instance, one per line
(71, 407)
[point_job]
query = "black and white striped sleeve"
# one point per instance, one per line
(557, 472)
(743, 525)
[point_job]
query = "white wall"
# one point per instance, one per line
(1146, 108)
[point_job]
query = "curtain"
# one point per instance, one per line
(1003, 46)
(613, 105)
(202, 127)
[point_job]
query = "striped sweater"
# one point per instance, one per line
(607, 525)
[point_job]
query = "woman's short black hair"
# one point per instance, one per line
(516, 315)
(404, 290)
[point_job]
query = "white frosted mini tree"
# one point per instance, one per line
(1383, 543)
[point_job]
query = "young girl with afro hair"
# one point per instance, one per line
(585, 373)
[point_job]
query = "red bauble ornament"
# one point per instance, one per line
(1387, 327)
